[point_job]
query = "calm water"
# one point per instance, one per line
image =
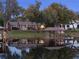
(40, 53)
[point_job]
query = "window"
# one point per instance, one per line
(67, 25)
(14, 28)
(77, 26)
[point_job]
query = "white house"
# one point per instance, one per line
(72, 25)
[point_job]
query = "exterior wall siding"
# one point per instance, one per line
(22, 25)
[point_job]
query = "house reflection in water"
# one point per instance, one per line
(27, 43)
(55, 35)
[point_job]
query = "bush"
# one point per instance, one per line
(1, 22)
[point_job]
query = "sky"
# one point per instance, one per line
(71, 4)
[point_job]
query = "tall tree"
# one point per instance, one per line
(33, 13)
(12, 9)
(57, 14)
(1, 13)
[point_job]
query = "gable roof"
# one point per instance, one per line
(54, 29)
(14, 23)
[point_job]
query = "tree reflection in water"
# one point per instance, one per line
(42, 53)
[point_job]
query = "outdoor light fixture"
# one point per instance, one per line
(42, 26)
(41, 41)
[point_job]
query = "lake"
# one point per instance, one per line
(40, 52)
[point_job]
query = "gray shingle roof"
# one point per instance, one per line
(22, 23)
(54, 29)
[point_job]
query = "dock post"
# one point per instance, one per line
(4, 40)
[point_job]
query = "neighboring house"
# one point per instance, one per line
(22, 25)
(73, 25)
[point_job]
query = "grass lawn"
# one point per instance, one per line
(39, 34)
(26, 34)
